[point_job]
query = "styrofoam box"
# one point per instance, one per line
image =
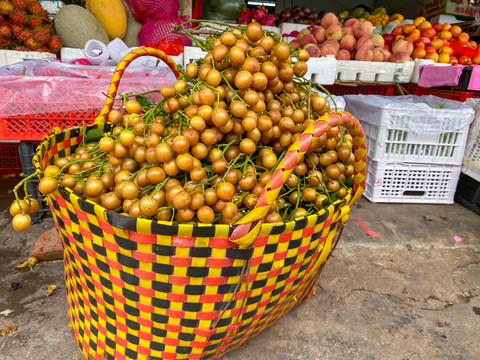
(322, 70)
(471, 159)
(8, 57)
(68, 54)
(191, 53)
(386, 142)
(287, 28)
(354, 70)
(414, 183)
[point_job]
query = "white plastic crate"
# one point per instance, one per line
(8, 57)
(287, 28)
(191, 53)
(396, 182)
(322, 70)
(410, 129)
(471, 158)
(354, 70)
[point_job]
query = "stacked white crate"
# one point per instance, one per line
(415, 146)
(471, 160)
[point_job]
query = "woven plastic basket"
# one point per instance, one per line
(142, 289)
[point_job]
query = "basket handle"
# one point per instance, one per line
(244, 234)
(119, 70)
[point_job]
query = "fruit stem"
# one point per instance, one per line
(24, 183)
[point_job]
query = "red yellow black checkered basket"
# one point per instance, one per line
(142, 289)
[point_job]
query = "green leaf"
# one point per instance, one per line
(94, 135)
(145, 101)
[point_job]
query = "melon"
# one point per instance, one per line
(111, 14)
(131, 36)
(74, 25)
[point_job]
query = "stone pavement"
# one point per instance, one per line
(412, 293)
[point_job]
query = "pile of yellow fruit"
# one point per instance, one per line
(383, 19)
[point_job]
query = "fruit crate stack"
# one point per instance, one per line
(468, 189)
(415, 146)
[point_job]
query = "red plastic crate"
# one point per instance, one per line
(338, 89)
(9, 158)
(447, 94)
(33, 127)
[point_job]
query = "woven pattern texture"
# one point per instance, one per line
(142, 289)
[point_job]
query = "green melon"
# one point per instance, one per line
(131, 36)
(75, 25)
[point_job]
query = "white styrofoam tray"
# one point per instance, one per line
(8, 57)
(322, 70)
(354, 70)
(396, 182)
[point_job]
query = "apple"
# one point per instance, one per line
(437, 26)
(388, 38)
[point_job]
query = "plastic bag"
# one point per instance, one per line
(41, 86)
(417, 114)
(222, 10)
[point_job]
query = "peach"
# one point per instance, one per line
(446, 27)
(408, 28)
(445, 34)
(397, 31)
(347, 31)
(402, 46)
(329, 19)
(445, 50)
(455, 30)
(400, 56)
(364, 54)
(313, 50)
(419, 53)
(333, 43)
(419, 20)
(432, 56)
(414, 35)
(387, 54)
(476, 59)
(364, 28)
(319, 33)
(377, 55)
(334, 32)
(343, 55)
(429, 33)
(295, 44)
(328, 50)
(437, 26)
(437, 43)
(302, 33)
(424, 25)
(378, 40)
(308, 39)
(463, 38)
(443, 58)
(351, 23)
(364, 42)
(348, 42)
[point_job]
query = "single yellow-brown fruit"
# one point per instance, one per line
(21, 222)
(111, 14)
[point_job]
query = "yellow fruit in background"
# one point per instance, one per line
(443, 58)
(111, 14)
(398, 18)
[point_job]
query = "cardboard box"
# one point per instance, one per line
(465, 9)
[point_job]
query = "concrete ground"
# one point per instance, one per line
(412, 293)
